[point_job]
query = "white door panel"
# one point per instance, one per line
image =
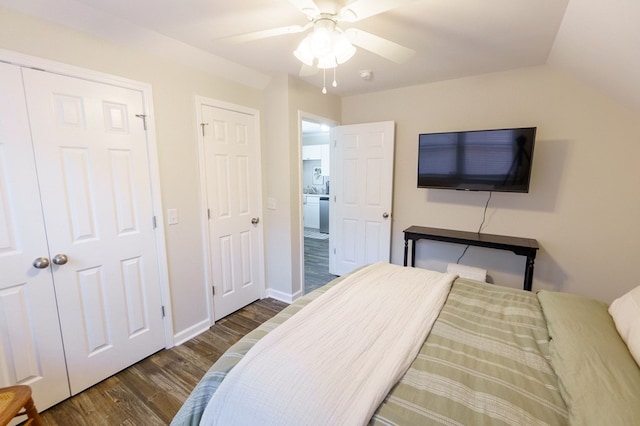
(362, 180)
(232, 167)
(92, 162)
(30, 342)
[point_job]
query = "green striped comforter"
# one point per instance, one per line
(486, 361)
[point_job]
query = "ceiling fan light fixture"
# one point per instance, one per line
(327, 62)
(321, 41)
(327, 44)
(330, 46)
(342, 48)
(304, 52)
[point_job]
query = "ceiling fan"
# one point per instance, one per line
(328, 44)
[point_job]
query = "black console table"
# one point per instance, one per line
(520, 246)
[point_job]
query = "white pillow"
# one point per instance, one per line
(625, 311)
(465, 271)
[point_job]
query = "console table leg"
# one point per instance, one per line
(528, 273)
(406, 249)
(413, 253)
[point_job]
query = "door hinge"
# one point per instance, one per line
(213, 290)
(208, 213)
(144, 120)
(162, 311)
(154, 222)
(202, 125)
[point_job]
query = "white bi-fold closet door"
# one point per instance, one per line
(80, 295)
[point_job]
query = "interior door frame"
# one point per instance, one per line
(145, 89)
(307, 116)
(206, 241)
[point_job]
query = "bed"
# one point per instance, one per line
(492, 356)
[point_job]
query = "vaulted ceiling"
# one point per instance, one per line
(596, 41)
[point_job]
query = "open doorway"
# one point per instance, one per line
(316, 190)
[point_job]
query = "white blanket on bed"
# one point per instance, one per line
(335, 360)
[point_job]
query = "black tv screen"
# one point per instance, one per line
(479, 160)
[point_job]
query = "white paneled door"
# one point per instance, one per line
(361, 194)
(92, 162)
(231, 152)
(30, 343)
(76, 234)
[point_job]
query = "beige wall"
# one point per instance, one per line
(304, 98)
(583, 205)
(277, 187)
(174, 89)
(286, 98)
(175, 86)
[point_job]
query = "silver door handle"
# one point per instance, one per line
(385, 215)
(41, 263)
(255, 220)
(60, 259)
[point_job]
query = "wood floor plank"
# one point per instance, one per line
(151, 391)
(316, 264)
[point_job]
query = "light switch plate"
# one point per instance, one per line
(172, 216)
(271, 203)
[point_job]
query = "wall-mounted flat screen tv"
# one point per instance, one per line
(479, 160)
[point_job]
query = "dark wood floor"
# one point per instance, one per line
(316, 264)
(151, 391)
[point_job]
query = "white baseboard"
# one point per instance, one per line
(203, 326)
(191, 332)
(282, 296)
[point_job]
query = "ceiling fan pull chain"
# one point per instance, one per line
(324, 81)
(335, 83)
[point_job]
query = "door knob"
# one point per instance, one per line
(60, 259)
(255, 220)
(41, 263)
(385, 215)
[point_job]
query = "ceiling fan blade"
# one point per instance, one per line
(307, 70)
(380, 46)
(308, 7)
(257, 35)
(361, 9)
